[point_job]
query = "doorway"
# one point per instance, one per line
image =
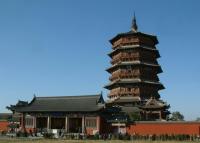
(57, 123)
(41, 123)
(75, 125)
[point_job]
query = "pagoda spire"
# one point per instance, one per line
(134, 26)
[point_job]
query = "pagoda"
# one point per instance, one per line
(134, 73)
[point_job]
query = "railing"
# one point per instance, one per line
(124, 91)
(123, 58)
(122, 94)
(124, 75)
(125, 41)
(114, 91)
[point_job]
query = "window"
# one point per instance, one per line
(129, 53)
(129, 67)
(29, 121)
(91, 122)
(129, 89)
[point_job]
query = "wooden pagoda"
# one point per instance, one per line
(134, 73)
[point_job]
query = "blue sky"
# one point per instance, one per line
(59, 47)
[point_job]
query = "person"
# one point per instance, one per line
(35, 131)
(31, 132)
(109, 136)
(60, 132)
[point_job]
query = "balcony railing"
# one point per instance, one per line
(124, 58)
(124, 75)
(123, 93)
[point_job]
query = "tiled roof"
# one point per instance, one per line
(154, 38)
(87, 103)
(128, 47)
(135, 63)
(134, 81)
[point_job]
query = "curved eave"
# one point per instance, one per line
(162, 106)
(134, 47)
(133, 82)
(138, 63)
(154, 107)
(124, 100)
(10, 108)
(154, 38)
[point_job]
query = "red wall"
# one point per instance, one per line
(158, 128)
(3, 126)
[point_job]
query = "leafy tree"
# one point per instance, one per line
(177, 116)
(198, 119)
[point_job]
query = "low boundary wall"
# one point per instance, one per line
(4, 126)
(164, 127)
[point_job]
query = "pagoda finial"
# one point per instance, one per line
(134, 26)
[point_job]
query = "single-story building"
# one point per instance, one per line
(71, 114)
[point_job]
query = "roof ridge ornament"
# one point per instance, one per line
(34, 95)
(134, 26)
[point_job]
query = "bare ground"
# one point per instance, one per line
(80, 141)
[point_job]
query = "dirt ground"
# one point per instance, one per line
(78, 141)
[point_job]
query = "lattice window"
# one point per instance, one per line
(29, 121)
(91, 122)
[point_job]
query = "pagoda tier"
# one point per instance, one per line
(134, 87)
(133, 71)
(142, 91)
(132, 54)
(132, 47)
(133, 38)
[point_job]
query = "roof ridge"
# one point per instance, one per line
(70, 96)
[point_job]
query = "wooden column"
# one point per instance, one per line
(83, 124)
(160, 114)
(98, 123)
(23, 122)
(34, 121)
(146, 114)
(66, 124)
(48, 123)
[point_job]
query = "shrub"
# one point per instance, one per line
(114, 137)
(126, 137)
(48, 135)
(22, 134)
(67, 137)
(19, 134)
(96, 136)
(153, 138)
(25, 134)
(3, 133)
